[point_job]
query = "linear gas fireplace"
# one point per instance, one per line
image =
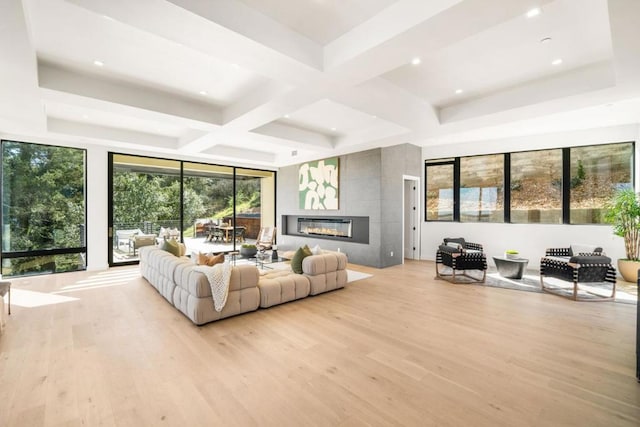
(343, 228)
(334, 227)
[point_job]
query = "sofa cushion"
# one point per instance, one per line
(590, 259)
(296, 261)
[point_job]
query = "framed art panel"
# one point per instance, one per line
(318, 184)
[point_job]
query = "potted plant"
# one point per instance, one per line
(511, 254)
(248, 250)
(623, 212)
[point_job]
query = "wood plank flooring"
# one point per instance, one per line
(399, 348)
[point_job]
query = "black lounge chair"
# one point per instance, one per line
(461, 256)
(581, 267)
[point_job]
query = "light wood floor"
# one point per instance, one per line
(399, 348)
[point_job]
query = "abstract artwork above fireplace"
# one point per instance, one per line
(318, 184)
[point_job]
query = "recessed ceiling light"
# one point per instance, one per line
(374, 117)
(203, 92)
(415, 61)
(84, 116)
(333, 129)
(286, 116)
(459, 91)
(556, 61)
(98, 63)
(545, 40)
(108, 18)
(533, 12)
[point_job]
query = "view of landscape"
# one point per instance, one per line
(536, 185)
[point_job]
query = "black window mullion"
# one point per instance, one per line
(507, 187)
(566, 186)
(456, 189)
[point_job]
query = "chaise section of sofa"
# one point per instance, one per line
(189, 291)
(326, 272)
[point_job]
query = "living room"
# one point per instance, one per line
(256, 89)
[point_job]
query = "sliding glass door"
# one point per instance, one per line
(145, 199)
(210, 208)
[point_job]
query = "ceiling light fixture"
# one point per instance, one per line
(203, 92)
(415, 61)
(556, 61)
(545, 40)
(459, 91)
(98, 63)
(333, 129)
(286, 116)
(533, 12)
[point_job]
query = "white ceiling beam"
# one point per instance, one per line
(92, 131)
(58, 97)
(235, 153)
(190, 29)
(576, 82)
(241, 19)
(287, 132)
(20, 105)
(625, 40)
(64, 80)
(386, 25)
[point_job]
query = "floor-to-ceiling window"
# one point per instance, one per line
(43, 209)
(210, 208)
(145, 198)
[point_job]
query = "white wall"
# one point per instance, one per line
(530, 239)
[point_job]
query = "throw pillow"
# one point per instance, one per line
(316, 250)
(296, 261)
(215, 259)
(171, 246)
(202, 259)
(579, 248)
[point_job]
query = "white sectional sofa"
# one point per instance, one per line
(177, 280)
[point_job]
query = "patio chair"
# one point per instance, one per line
(578, 264)
(238, 233)
(265, 239)
(139, 240)
(461, 256)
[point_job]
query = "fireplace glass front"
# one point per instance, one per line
(325, 227)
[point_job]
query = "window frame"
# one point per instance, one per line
(566, 181)
(76, 250)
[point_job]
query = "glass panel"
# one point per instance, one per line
(481, 188)
(596, 172)
(208, 207)
(43, 207)
(536, 187)
(255, 203)
(439, 192)
(146, 203)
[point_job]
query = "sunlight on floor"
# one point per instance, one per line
(117, 277)
(31, 299)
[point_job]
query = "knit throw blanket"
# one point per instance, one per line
(218, 277)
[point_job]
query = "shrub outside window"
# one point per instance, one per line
(596, 173)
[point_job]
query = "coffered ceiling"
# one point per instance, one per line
(276, 82)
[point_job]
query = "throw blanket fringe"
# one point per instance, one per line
(218, 276)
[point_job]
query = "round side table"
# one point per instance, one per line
(511, 268)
